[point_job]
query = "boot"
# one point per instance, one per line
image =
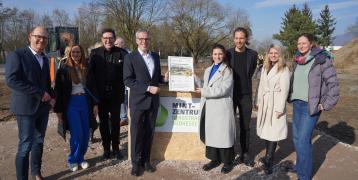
(268, 160)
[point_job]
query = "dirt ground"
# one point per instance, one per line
(335, 149)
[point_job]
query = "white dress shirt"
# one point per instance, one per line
(39, 57)
(149, 62)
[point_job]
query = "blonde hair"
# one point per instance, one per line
(82, 65)
(281, 63)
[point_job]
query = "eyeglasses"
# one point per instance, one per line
(38, 37)
(108, 38)
(143, 39)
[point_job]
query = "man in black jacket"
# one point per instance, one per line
(105, 80)
(243, 61)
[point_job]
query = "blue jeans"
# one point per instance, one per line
(302, 129)
(124, 107)
(78, 122)
(32, 129)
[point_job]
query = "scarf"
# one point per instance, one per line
(314, 53)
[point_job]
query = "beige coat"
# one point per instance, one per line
(272, 96)
(216, 95)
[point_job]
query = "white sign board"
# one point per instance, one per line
(181, 73)
(177, 114)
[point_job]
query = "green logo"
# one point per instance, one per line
(162, 117)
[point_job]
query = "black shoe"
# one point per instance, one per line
(118, 155)
(246, 159)
(135, 170)
(227, 168)
(106, 155)
(211, 165)
(148, 167)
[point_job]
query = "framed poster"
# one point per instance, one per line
(181, 73)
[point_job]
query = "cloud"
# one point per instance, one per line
(271, 3)
(337, 6)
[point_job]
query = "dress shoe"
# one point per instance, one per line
(118, 155)
(246, 159)
(38, 177)
(148, 167)
(211, 165)
(227, 168)
(135, 170)
(106, 155)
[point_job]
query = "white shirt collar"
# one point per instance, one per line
(35, 53)
(142, 53)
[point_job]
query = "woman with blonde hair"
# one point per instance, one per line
(272, 95)
(73, 105)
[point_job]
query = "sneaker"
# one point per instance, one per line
(73, 167)
(84, 165)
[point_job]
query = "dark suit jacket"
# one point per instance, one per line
(251, 66)
(27, 80)
(97, 73)
(136, 76)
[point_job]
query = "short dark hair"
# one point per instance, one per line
(110, 30)
(246, 31)
(311, 38)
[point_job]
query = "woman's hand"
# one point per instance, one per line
(279, 114)
(320, 107)
(198, 90)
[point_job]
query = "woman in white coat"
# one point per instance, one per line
(272, 96)
(217, 122)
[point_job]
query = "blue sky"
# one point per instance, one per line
(265, 15)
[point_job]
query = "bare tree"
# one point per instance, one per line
(201, 23)
(5, 14)
(88, 21)
(46, 21)
(60, 17)
(129, 15)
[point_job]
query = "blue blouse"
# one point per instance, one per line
(213, 70)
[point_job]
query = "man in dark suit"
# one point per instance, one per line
(243, 61)
(142, 75)
(27, 74)
(105, 80)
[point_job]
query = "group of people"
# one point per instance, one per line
(84, 89)
(98, 86)
(311, 85)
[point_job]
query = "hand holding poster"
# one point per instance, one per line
(181, 73)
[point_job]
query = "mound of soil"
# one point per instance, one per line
(346, 58)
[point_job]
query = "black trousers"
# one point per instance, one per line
(142, 126)
(244, 104)
(109, 112)
(223, 155)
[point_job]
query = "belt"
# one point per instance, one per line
(78, 94)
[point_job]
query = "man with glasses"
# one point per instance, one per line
(142, 75)
(27, 74)
(105, 80)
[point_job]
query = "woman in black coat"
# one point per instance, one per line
(74, 105)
